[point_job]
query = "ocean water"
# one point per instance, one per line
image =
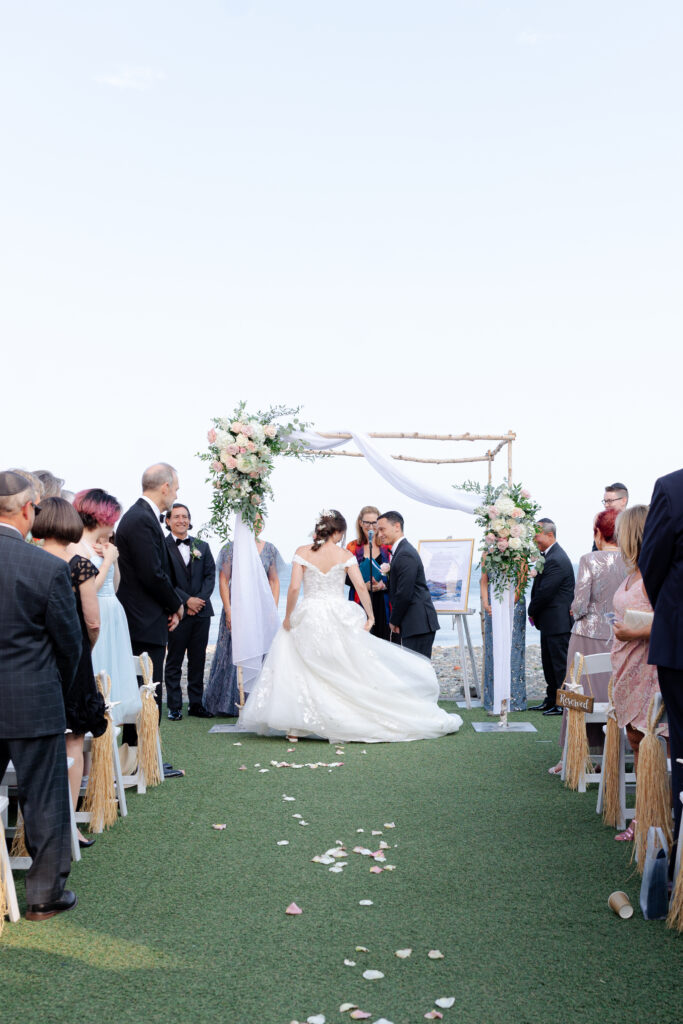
(446, 637)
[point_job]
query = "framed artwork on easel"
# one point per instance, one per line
(448, 568)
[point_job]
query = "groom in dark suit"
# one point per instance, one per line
(40, 648)
(661, 565)
(551, 598)
(147, 591)
(195, 573)
(413, 622)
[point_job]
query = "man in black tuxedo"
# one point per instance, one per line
(40, 648)
(147, 591)
(661, 565)
(551, 598)
(195, 575)
(413, 621)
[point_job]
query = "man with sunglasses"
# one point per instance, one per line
(40, 647)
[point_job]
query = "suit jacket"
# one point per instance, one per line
(198, 578)
(146, 591)
(661, 563)
(552, 594)
(40, 639)
(412, 609)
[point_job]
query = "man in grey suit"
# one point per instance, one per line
(40, 647)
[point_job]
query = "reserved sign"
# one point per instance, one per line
(574, 701)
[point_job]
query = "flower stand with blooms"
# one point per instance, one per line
(507, 518)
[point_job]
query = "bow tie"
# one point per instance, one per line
(179, 541)
(162, 518)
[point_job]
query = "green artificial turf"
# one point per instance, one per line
(497, 865)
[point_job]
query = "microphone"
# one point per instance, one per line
(371, 534)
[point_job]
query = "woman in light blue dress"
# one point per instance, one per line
(112, 653)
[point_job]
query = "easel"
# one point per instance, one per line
(459, 620)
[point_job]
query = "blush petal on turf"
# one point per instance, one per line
(349, 963)
(316, 1018)
(364, 903)
(359, 1015)
(293, 909)
(403, 954)
(219, 828)
(433, 1015)
(375, 870)
(362, 949)
(445, 1002)
(435, 954)
(345, 1007)
(283, 842)
(372, 975)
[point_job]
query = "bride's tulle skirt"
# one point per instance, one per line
(328, 677)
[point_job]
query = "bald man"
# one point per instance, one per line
(147, 590)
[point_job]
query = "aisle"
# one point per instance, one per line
(496, 866)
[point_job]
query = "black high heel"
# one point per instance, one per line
(85, 843)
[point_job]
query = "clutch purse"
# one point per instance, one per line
(638, 620)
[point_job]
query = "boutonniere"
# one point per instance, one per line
(194, 550)
(385, 568)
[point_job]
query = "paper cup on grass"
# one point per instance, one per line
(621, 905)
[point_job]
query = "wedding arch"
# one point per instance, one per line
(241, 454)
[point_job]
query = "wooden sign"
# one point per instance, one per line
(574, 701)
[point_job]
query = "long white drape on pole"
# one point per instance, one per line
(502, 614)
(255, 620)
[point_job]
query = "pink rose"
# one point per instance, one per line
(247, 430)
(254, 474)
(241, 450)
(517, 513)
(502, 545)
(211, 436)
(492, 510)
(216, 467)
(525, 493)
(490, 538)
(533, 572)
(251, 447)
(232, 449)
(516, 531)
(229, 461)
(270, 430)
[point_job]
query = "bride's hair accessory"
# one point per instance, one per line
(329, 522)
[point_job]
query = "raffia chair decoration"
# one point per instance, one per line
(100, 794)
(4, 904)
(18, 847)
(675, 916)
(611, 804)
(653, 796)
(148, 729)
(578, 755)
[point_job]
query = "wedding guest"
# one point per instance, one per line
(635, 682)
(661, 563)
(221, 696)
(59, 526)
(376, 581)
(40, 649)
(147, 591)
(52, 485)
(517, 650)
(600, 574)
(615, 498)
(99, 512)
(551, 597)
(195, 573)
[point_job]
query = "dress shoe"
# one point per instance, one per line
(553, 711)
(173, 773)
(541, 707)
(85, 843)
(41, 911)
(199, 711)
(175, 716)
(167, 767)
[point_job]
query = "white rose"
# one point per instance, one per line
(270, 430)
(515, 543)
(244, 463)
(504, 506)
(498, 525)
(257, 431)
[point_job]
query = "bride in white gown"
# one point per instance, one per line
(326, 675)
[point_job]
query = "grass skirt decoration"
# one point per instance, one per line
(653, 795)
(18, 848)
(148, 730)
(675, 917)
(578, 755)
(100, 795)
(611, 803)
(4, 903)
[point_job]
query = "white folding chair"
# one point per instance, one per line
(142, 666)
(9, 781)
(6, 876)
(593, 665)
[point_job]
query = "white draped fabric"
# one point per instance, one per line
(254, 615)
(255, 620)
(502, 614)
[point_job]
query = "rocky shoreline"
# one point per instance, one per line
(448, 667)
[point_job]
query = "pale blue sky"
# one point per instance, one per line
(480, 202)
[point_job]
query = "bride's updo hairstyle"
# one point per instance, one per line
(328, 523)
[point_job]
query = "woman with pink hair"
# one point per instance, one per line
(99, 512)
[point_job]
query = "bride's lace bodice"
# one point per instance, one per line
(324, 585)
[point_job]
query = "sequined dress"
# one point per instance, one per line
(328, 677)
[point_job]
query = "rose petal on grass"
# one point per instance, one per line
(290, 798)
(262, 770)
(389, 867)
(297, 815)
(364, 903)
(445, 1002)
(360, 1015)
(345, 1007)
(283, 842)
(384, 846)
(375, 870)
(242, 768)
(362, 949)
(293, 909)
(389, 824)
(372, 975)
(219, 828)
(316, 1018)
(349, 963)
(433, 1015)
(435, 954)
(360, 830)
(376, 832)
(302, 822)
(237, 744)
(336, 869)
(403, 954)
(290, 750)
(381, 1020)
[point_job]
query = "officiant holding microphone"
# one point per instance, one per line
(372, 558)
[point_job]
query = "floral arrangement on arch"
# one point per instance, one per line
(241, 457)
(508, 518)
